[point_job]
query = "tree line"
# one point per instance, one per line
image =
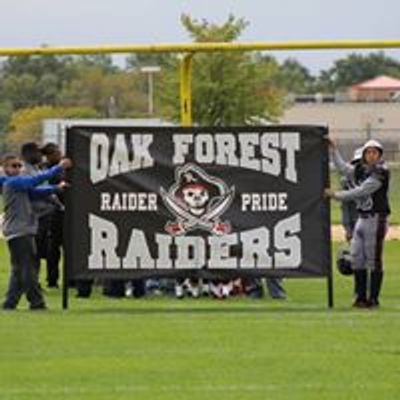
(229, 88)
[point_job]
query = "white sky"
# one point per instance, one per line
(27, 23)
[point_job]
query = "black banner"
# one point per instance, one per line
(203, 202)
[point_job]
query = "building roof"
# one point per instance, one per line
(379, 83)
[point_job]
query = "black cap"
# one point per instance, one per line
(49, 148)
(29, 148)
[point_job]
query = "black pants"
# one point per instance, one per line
(54, 246)
(24, 274)
(42, 236)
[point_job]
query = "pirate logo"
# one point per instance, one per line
(197, 200)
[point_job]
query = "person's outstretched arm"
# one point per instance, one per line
(342, 166)
(42, 192)
(369, 186)
(25, 183)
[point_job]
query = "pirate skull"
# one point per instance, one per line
(196, 197)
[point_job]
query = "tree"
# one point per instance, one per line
(18, 90)
(5, 112)
(228, 87)
(38, 66)
(104, 62)
(26, 124)
(357, 68)
(34, 80)
(118, 94)
(162, 60)
(294, 77)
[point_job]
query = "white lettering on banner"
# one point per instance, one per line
(104, 241)
(99, 149)
(128, 201)
(164, 243)
(138, 254)
(181, 147)
(256, 243)
(287, 243)
(219, 251)
(122, 159)
(248, 145)
(261, 248)
(264, 201)
(205, 149)
(291, 143)
(191, 252)
(226, 143)
(271, 163)
(271, 153)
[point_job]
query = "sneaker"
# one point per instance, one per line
(205, 289)
(128, 289)
(194, 291)
(226, 290)
(216, 290)
(179, 291)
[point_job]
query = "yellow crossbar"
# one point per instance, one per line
(203, 47)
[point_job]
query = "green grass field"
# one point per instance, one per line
(206, 349)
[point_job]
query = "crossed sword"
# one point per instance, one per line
(190, 220)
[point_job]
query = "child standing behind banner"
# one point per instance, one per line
(20, 227)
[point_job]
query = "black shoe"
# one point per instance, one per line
(373, 303)
(258, 293)
(7, 307)
(82, 295)
(360, 304)
(38, 307)
(53, 285)
(279, 296)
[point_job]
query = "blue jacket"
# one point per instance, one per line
(18, 192)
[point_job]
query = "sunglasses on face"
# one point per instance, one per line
(16, 165)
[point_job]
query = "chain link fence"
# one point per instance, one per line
(350, 139)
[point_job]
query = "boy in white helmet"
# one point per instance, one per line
(371, 177)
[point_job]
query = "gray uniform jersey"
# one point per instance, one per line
(369, 231)
(360, 194)
(349, 210)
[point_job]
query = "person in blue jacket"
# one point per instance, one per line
(20, 226)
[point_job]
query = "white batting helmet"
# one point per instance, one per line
(357, 156)
(372, 143)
